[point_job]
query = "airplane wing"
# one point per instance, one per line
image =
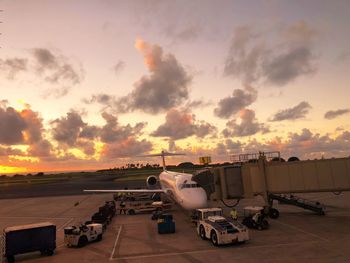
(127, 191)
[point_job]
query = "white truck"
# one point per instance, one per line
(213, 225)
(147, 206)
(80, 236)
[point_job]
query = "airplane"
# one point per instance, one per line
(178, 186)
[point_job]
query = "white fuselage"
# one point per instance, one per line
(183, 190)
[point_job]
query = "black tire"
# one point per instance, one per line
(293, 159)
(49, 252)
(248, 222)
(214, 238)
(131, 212)
(276, 159)
(99, 237)
(10, 259)
(82, 241)
(202, 232)
(274, 213)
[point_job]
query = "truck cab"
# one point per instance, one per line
(80, 236)
(211, 224)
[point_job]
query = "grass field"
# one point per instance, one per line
(123, 175)
(42, 179)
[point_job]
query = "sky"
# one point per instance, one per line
(97, 84)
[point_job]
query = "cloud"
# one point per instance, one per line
(335, 113)
(102, 98)
(71, 131)
(88, 147)
(117, 68)
(89, 132)
(67, 129)
(243, 58)
(193, 104)
(34, 125)
(285, 67)
(165, 87)
(56, 69)
(248, 125)
(23, 127)
(6, 151)
(56, 92)
(252, 60)
(42, 148)
(126, 148)
(228, 147)
(313, 144)
(183, 32)
(297, 112)
(181, 124)
(112, 131)
(231, 105)
(304, 144)
(12, 126)
(12, 66)
(52, 67)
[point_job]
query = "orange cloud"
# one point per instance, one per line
(152, 53)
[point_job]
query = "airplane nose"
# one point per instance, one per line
(195, 200)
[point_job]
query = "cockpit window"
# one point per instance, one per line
(189, 185)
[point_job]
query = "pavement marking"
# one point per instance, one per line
(115, 243)
(65, 223)
(60, 245)
(41, 217)
(209, 250)
(303, 231)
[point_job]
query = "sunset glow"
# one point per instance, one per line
(93, 85)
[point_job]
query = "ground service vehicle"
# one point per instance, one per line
(104, 215)
(255, 217)
(213, 225)
(148, 206)
(29, 238)
(80, 236)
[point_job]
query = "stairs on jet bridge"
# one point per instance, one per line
(314, 206)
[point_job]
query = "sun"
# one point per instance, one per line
(11, 169)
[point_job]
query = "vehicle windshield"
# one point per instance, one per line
(212, 213)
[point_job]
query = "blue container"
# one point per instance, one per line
(166, 227)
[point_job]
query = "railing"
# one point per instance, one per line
(243, 158)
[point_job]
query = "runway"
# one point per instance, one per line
(70, 187)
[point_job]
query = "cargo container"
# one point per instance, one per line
(29, 238)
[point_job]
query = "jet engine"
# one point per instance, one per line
(151, 180)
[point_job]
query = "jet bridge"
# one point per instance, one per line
(268, 176)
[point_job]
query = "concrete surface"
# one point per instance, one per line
(297, 236)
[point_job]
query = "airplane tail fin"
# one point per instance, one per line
(162, 154)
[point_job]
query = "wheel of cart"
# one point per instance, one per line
(131, 212)
(274, 213)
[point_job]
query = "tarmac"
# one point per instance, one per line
(296, 236)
